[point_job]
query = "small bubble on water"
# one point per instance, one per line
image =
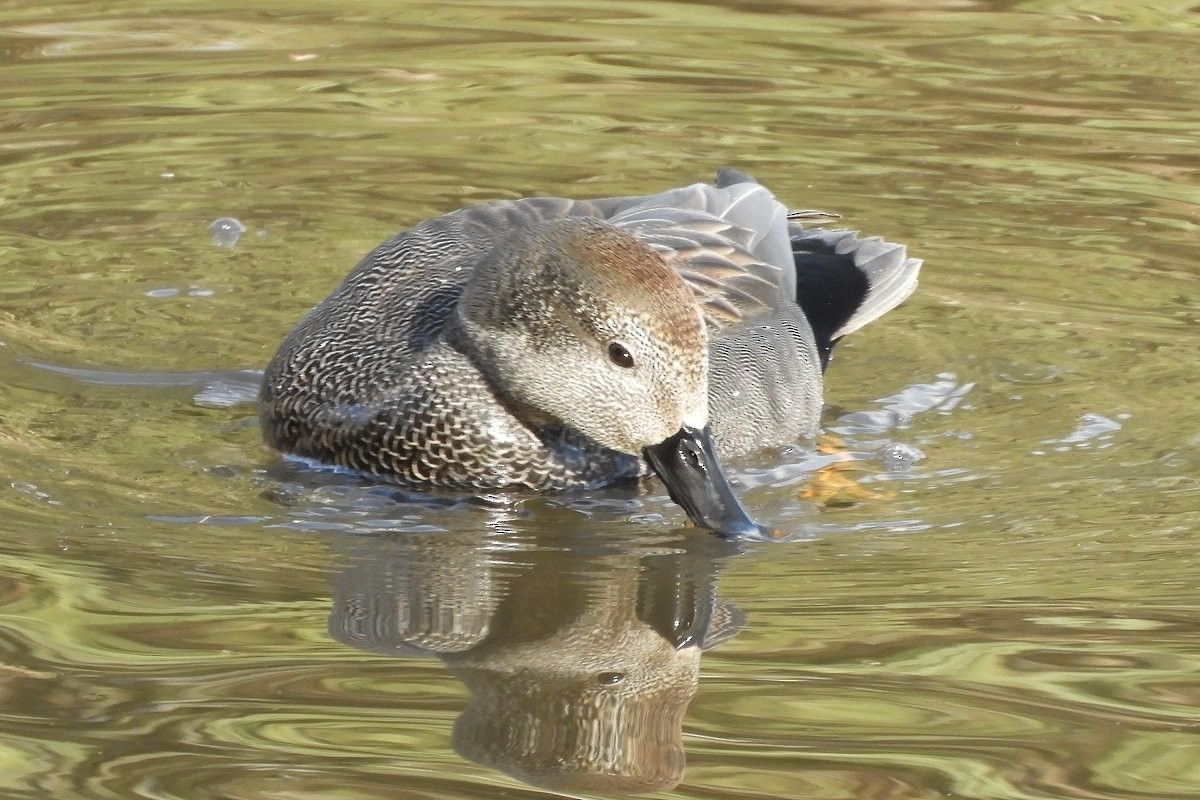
(226, 231)
(898, 456)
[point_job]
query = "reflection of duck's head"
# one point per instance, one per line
(580, 666)
(586, 710)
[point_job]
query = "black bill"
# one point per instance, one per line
(688, 465)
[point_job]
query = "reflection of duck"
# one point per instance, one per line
(548, 344)
(580, 666)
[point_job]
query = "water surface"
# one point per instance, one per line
(1014, 615)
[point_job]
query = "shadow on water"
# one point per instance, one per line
(581, 660)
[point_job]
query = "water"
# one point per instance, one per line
(994, 592)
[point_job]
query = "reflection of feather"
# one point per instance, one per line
(727, 622)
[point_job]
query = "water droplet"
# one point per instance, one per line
(226, 231)
(610, 678)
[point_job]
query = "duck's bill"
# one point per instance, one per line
(688, 465)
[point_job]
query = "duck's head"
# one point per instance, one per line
(582, 325)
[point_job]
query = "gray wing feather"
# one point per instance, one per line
(729, 243)
(891, 275)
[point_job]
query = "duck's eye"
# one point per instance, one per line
(619, 355)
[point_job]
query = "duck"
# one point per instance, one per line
(545, 344)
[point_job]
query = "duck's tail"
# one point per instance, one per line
(844, 282)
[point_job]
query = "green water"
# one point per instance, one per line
(1014, 615)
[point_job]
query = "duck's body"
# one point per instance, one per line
(469, 351)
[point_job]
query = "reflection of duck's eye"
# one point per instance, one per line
(610, 678)
(619, 355)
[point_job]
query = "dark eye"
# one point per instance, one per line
(619, 355)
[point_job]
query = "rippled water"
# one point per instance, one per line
(1012, 615)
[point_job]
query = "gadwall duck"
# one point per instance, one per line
(546, 344)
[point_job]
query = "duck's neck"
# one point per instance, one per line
(486, 353)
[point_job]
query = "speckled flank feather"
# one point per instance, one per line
(452, 353)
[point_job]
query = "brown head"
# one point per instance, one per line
(581, 324)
